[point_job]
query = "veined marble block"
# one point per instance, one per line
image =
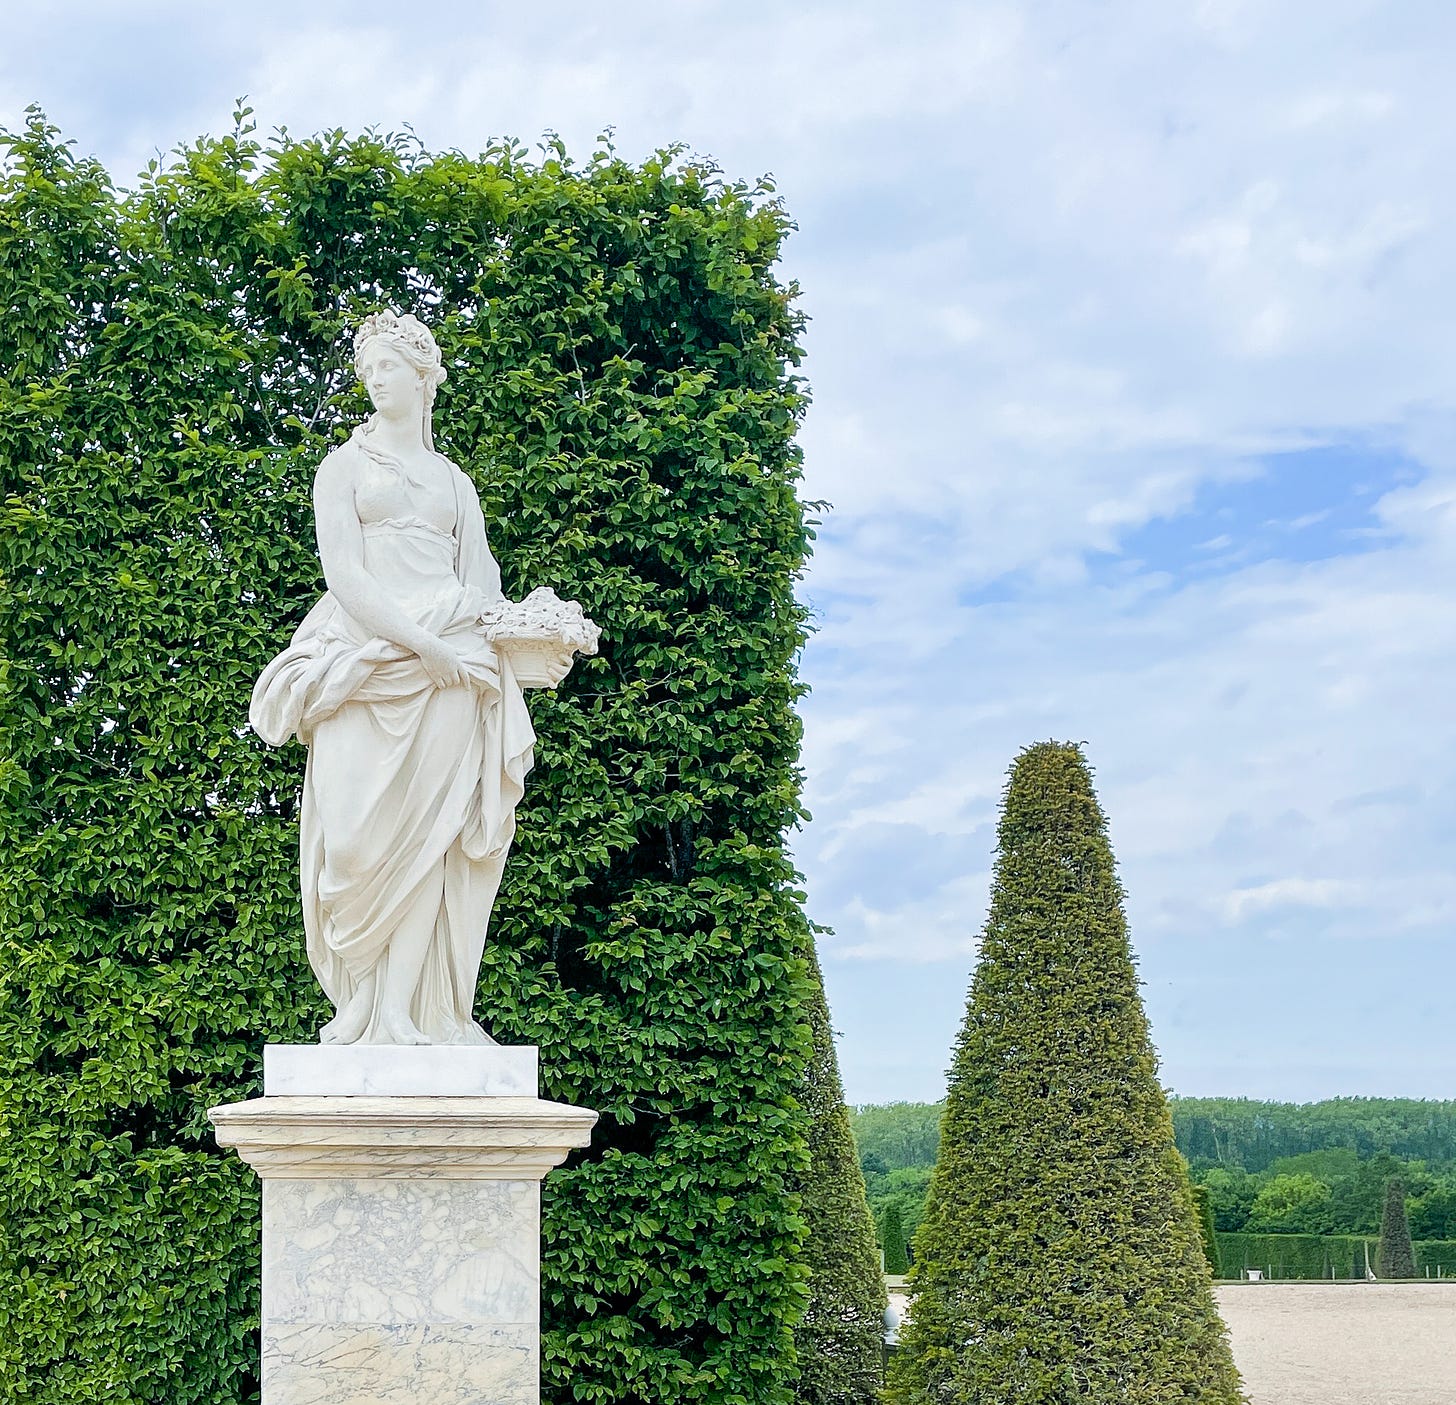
(401, 1234)
(403, 1290)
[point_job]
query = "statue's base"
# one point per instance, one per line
(399, 1071)
(401, 1231)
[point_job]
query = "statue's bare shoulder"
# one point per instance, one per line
(458, 474)
(340, 464)
(337, 476)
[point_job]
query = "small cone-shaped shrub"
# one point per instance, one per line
(1203, 1205)
(1059, 1258)
(838, 1340)
(892, 1240)
(1396, 1256)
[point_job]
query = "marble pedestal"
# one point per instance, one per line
(401, 1221)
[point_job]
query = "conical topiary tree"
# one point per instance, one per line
(1203, 1207)
(1059, 1258)
(838, 1340)
(892, 1240)
(1396, 1255)
(893, 1245)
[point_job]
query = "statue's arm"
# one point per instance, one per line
(341, 552)
(477, 566)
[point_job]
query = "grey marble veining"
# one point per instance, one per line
(403, 1364)
(401, 1241)
(401, 1251)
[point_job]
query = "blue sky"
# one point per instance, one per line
(1134, 393)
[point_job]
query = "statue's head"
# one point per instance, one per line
(410, 337)
(410, 342)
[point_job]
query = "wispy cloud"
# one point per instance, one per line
(1136, 399)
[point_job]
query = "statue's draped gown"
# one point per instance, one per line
(410, 790)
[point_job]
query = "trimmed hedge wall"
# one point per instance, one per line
(1309, 1256)
(173, 366)
(1436, 1254)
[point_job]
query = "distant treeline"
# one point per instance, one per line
(1216, 1131)
(1285, 1168)
(1238, 1132)
(897, 1145)
(894, 1135)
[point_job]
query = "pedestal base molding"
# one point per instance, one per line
(401, 1235)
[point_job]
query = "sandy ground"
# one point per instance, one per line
(1362, 1343)
(1340, 1343)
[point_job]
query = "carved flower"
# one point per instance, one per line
(541, 619)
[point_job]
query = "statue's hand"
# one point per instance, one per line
(446, 669)
(559, 665)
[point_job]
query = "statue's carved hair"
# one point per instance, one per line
(414, 341)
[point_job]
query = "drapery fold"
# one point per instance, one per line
(410, 791)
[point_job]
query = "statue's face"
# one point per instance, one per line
(395, 387)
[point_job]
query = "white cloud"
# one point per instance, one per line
(938, 927)
(1068, 270)
(1323, 109)
(1237, 724)
(1291, 892)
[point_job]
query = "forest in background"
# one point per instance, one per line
(1270, 1168)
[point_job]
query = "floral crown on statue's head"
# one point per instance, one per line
(410, 335)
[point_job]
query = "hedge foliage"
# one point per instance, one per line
(1059, 1257)
(1324, 1255)
(839, 1339)
(175, 364)
(1395, 1256)
(1295, 1255)
(892, 1241)
(1203, 1209)
(1433, 1255)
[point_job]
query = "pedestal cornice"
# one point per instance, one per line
(432, 1138)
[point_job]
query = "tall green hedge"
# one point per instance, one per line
(1324, 1255)
(1305, 1256)
(1058, 1258)
(892, 1241)
(175, 364)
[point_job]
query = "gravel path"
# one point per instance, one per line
(1340, 1343)
(1361, 1343)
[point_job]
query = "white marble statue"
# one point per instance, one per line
(404, 682)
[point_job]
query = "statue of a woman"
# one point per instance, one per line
(405, 686)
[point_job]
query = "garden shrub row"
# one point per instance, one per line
(174, 363)
(1311, 1256)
